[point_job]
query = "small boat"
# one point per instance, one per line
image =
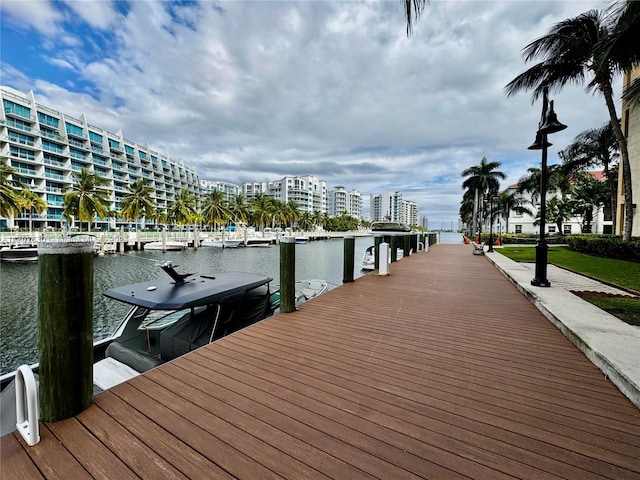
(258, 242)
(168, 245)
(301, 239)
(221, 243)
(21, 252)
(308, 289)
(369, 258)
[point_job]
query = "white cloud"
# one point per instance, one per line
(256, 90)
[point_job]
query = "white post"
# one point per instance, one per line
(383, 268)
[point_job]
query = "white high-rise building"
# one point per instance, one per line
(309, 192)
(230, 190)
(342, 201)
(391, 207)
(45, 147)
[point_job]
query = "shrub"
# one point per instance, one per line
(606, 246)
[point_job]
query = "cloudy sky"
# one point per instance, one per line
(253, 91)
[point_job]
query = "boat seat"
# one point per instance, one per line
(139, 361)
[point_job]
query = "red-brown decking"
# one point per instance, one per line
(441, 370)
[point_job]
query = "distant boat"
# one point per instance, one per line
(220, 243)
(301, 239)
(168, 245)
(390, 227)
(22, 252)
(257, 242)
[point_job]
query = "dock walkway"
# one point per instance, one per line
(442, 370)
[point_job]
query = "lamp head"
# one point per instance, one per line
(551, 123)
(537, 143)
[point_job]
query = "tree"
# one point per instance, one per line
(238, 209)
(292, 212)
(31, 202)
(586, 195)
(183, 210)
(9, 191)
(558, 210)
(262, 210)
(305, 221)
(86, 198)
(158, 215)
(137, 203)
(214, 208)
(510, 201)
(571, 52)
(413, 9)
(595, 147)
(482, 179)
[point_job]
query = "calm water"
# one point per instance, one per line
(19, 284)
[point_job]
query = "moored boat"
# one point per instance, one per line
(221, 243)
(22, 252)
(168, 245)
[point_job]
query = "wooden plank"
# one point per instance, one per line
(172, 449)
(15, 464)
(98, 460)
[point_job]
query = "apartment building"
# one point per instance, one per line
(342, 201)
(46, 147)
(390, 206)
(229, 190)
(309, 192)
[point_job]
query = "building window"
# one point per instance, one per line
(94, 137)
(74, 130)
(14, 108)
(518, 228)
(552, 229)
(48, 120)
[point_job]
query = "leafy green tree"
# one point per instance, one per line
(480, 180)
(510, 201)
(183, 210)
(86, 198)
(262, 210)
(306, 221)
(596, 147)
(137, 203)
(586, 196)
(158, 215)
(238, 209)
(32, 202)
(10, 202)
(292, 213)
(558, 211)
(215, 209)
(572, 53)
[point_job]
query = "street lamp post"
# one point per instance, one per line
(491, 223)
(548, 124)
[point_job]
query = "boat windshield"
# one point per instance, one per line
(160, 319)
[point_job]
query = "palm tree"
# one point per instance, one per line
(510, 201)
(482, 179)
(262, 210)
(137, 203)
(306, 221)
(292, 213)
(183, 210)
(572, 52)
(86, 198)
(558, 210)
(595, 147)
(413, 9)
(238, 209)
(9, 191)
(214, 208)
(31, 202)
(158, 215)
(586, 195)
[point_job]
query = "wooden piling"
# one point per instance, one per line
(348, 259)
(287, 274)
(65, 328)
(406, 245)
(394, 248)
(377, 240)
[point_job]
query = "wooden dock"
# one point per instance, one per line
(442, 370)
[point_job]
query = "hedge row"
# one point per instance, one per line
(607, 246)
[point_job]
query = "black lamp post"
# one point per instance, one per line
(548, 124)
(491, 224)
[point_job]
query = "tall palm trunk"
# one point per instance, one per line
(607, 92)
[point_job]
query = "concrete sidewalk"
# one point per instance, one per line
(611, 344)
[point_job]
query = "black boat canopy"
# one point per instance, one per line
(167, 294)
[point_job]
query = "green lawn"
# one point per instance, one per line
(615, 272)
